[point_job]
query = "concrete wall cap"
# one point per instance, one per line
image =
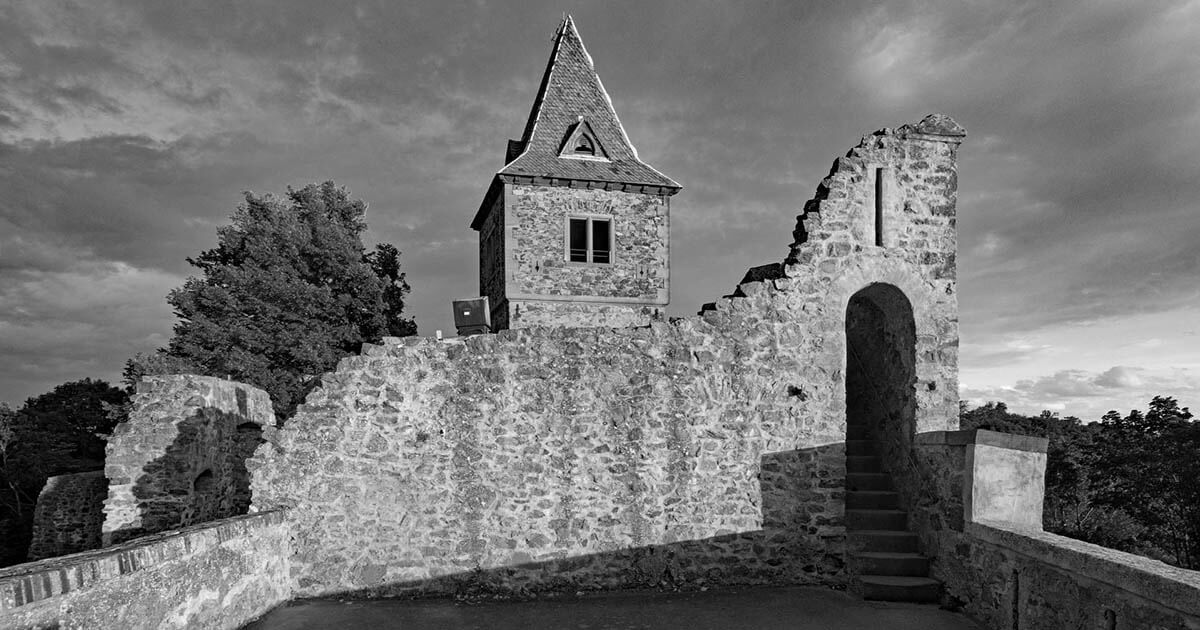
(985, 437)
(1155, 581)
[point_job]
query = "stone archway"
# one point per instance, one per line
(881, 367)
(880, 421)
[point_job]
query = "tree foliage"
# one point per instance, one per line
(60, 432)
(1126, 482)
(288, 291)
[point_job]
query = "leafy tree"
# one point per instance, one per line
(1126, 482)
(62, 431)
(288, 291)
(1146, 466)
(12, 496)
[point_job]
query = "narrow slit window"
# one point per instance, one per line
(589, 240)
(879, 207)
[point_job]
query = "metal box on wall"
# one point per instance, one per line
(472, 316)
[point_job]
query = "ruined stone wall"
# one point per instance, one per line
(703, 450)
(217, 575)
(180, 458)
(537, 253)
(897, 192)
(69, 514)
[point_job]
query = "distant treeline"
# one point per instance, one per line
(1126, 482)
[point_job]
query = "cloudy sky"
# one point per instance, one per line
(128, 131)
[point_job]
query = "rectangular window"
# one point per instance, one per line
(589, 240)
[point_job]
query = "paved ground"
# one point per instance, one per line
(793, 608)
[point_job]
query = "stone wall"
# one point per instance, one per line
(180, 458)
(982, 519)
(701, 450)
(69, 515)
(1014, 577)
(218, 575)
(602, 315)
(896, 190)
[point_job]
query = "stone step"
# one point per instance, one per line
(883, 540)
(876, 519)
(872, 500)
(858, 432)
(896, 588)
(868, 481)
(864, 464)
(861, 447)
(890, 563)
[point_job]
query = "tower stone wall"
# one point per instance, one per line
(574, 162)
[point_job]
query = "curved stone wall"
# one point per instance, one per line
(180, 458)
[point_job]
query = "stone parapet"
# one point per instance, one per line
(981, 517)
(216, 575)
(1003, 475)
(1015, 577)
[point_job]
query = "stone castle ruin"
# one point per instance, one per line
(801, 430)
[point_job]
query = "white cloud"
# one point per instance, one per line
(1087, 394)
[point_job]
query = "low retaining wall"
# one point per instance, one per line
(985, 531)
(1035, 580)
(217, 575)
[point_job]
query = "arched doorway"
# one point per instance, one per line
(880, 419)
(880, 367)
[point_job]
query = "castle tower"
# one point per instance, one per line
(574, 230)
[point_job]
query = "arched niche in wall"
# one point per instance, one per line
(203, 484)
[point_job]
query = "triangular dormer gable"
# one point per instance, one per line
(581, 143)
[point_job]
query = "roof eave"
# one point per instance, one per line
(649, 188)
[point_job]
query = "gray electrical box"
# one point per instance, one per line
(472, 316)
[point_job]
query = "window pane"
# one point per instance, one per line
(601, 240)
(578, 241)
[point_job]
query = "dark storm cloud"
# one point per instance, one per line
(129, 129)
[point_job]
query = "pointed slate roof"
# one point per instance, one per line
(571, 93)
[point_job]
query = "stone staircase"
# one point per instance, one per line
(886, 556)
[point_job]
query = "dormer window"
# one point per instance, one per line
(580, 143)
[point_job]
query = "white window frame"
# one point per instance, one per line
(612, 238)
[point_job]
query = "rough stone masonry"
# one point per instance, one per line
(705, 449)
